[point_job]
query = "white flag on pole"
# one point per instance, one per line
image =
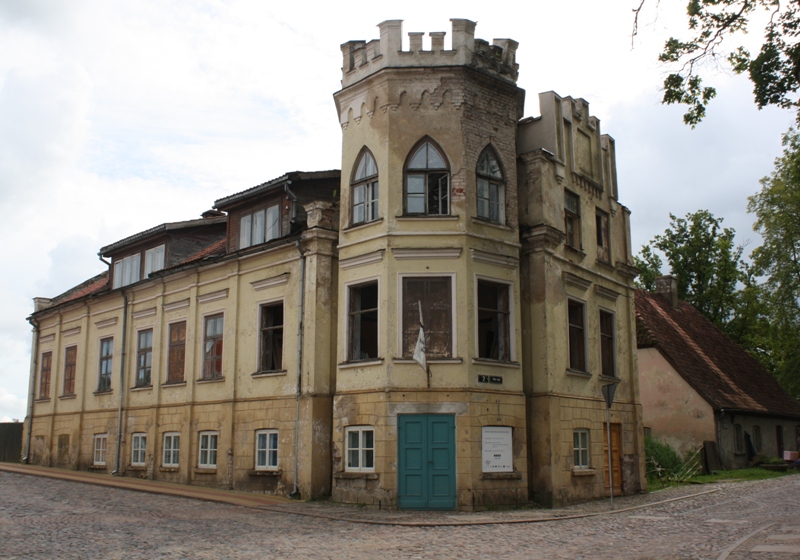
(419, 349)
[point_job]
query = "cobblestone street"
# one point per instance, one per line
(49, 518)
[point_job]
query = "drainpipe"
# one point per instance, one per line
(296, 493)
(32, 396)
(121, 378)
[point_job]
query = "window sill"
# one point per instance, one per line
(612, 378)
(100, 393)
(514, 475)
(576, 252)
(212, 380)
(66, 397)
(174, 384)
(579, 373)
(356, 475)
(142, 388)
(265, 472)
(42, 400)
(362, 363)
(584, 472)
(168, 469)
(495, 363)
(430, 361)
(606, 264)
(205, 470)
(269, 373)
(361, 225)
(414, 217)
(485, 222)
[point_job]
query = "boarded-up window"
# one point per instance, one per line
(577, 345)
(572, 219)
(363, 327)
(69, 370)
(493, 321)
(603, 240)
(607, 346)
(271, 337)
(212, 347)
(44, 376)
(177, 352)
(437, 314)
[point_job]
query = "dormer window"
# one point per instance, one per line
(427, 182)
(153, 260)
(127, 270)
(365, 189)
(260, 226)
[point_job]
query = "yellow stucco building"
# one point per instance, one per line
(270, 346)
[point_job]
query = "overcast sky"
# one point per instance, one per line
(118, 116)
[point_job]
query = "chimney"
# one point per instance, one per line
(667, 286)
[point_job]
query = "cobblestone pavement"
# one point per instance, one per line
(50, 518)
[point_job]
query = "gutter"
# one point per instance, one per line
(296, 492)
(121, 378)
(34, 366)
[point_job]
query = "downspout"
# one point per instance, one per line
(122, 378)
(296, 493)
(32, 396)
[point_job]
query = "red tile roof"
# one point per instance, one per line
(721, 371)
(87, 288)
(213, 250)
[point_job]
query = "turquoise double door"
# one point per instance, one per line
(426, 461)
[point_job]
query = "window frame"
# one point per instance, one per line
(173, 450)
(603, 234)
(581, 449)
(266, 232)
(210, 452)
(144, 370)
(352, 315)
(45, 374)
(106, 364)
(498, 182)
(572, 221)
(362, 450)
(582, 338)
(758, 442)
(429, 174)
(263, 332)
(370, 186)
(213, 359)
(607, 339)
(126, 272)
(154, 259)
(175, 349)
(401, 317)
(70, 370)
(100, 449)
(509, 320)
(270, 452)
(138, 449)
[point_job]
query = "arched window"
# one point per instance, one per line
(491, 188)
(427, 182)
(365, 189)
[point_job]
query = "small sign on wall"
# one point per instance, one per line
(497, 449)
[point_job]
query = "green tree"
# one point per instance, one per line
(649, 265)
(774, 70)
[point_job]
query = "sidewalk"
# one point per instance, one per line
(355, 514)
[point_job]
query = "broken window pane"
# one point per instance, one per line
(435, 295)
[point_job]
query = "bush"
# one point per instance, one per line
(666, 457)
(762, 459)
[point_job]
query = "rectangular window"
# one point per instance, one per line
(44, 375)
(491, 201)
(603, 238)
(208, 450)
(177, 352)
(572, 219)
(757, 443)
(266, 450)
(212, 347)
(360, 448)
(580, 449)
(139, 450)
(100, 446)
(738, 439)
(494, 341)
(608, 359)
(437, 314)
(144, 358)
(260, 226)
(106, 363)
(127, 270)
(271, 337)
(363, 326)
(70, 362)
(365, 202)
(172, 448)
(153, 260)
(577, 341)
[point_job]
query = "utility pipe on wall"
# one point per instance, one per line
(296, 493)
(121, 378)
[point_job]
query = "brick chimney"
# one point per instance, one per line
(667, 286)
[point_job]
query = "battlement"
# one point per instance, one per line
(362, 58)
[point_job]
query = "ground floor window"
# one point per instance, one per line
(100, 446)
(757, 438)
(208, 450)
(172, 445)
(266, 450)
(139, 450)
(360, 448)
(580, 449)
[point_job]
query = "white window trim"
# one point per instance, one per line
(99, 454)
(512, 332)
(267, 466)
(588, 464)
(171, 435)
(200, 449)
(346, 315)
(360, 429)
(138, 437)
(154, 259)
(454, 313)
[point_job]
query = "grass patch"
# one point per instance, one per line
(740, 475)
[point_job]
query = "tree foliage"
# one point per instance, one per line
(774, 70)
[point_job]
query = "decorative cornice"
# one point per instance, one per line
(587, 184)
(605, 292)
(543, 238)
(48, 338)
(626, 270)
(418, 254)
(71, 332)
(175, 305)
(493, 258)
(361, 260)
(106, 323)
(144, 313)
(576, 281)
(279, 280)
(213, 296)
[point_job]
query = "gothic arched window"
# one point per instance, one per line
(427, 181)
(365, 189)
(491, 188)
